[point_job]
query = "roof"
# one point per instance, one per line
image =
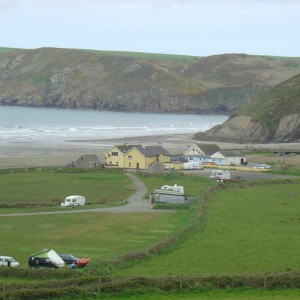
(228, 153)
(125, 147)
(209, 149)
(89, 158)
(152, 150)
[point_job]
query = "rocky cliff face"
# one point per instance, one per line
(274, 116)
(65, 78)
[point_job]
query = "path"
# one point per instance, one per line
(136, 203)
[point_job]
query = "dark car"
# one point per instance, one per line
(37, 262)
(70, 259)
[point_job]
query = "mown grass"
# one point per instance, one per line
(248, 230)
(98, 235)
(51, 186)
(231, 294)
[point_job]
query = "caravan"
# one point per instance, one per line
(220, 174)
(192, 165)
(72, 201)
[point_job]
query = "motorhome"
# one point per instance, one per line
(220, 174)
(72, 201)
(192, 165)
(8, 261)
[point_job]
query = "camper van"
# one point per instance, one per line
(8, 261)
(220, 174)
(45, 259)
(192, 165)
(72, 201)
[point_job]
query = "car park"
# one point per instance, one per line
(70, 259)
(8, 261)
(262, 166)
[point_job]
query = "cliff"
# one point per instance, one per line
(273, 116)
(122, 81)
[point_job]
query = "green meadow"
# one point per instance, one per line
(52, 185)
(248, 228)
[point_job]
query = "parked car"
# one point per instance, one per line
(70, 259)
(8, 261)
(262, 166)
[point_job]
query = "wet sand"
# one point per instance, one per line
(29, 154)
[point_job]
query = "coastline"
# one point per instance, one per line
(27, 154)
(17, 155)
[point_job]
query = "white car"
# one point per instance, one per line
(262, 166)
(8, 261)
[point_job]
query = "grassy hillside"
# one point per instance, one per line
(269, 107)
(132, 81)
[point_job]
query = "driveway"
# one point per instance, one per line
(136, 203)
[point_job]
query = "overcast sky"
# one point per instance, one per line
(199, 28)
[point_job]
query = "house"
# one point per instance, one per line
(200, 149)
(115, 156)
(88, 161)
(211, 154)
(135, 156)
(229, 158)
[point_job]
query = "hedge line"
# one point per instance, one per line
(129, 258)
(87, 286)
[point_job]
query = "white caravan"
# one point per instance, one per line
(192, 165)
(220, 174)
(173, 188)
(72, 201)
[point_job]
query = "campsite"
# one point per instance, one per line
(163, 244)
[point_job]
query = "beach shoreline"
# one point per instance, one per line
(28, 154)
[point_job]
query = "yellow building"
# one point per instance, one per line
(135, 156)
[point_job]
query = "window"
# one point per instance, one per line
(129, 156)
(129, 164)
(114, 153)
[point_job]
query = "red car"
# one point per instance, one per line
(70, 259)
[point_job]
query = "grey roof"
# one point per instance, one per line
(152, 150)
(125, 147)
(89, 158)
(228, 153)
(209, 149)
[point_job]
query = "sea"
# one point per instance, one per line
(29, 127)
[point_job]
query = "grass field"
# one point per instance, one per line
(248, 230)
(99, 236)
(246, 294)
(50, 186)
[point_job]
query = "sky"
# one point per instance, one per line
(187, 27)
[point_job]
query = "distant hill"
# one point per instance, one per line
(273, 116)
(128, 81)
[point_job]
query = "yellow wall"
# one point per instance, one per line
(116, 161)
(134, 159)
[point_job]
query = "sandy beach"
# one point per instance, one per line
(42, 154)
(15, 155)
